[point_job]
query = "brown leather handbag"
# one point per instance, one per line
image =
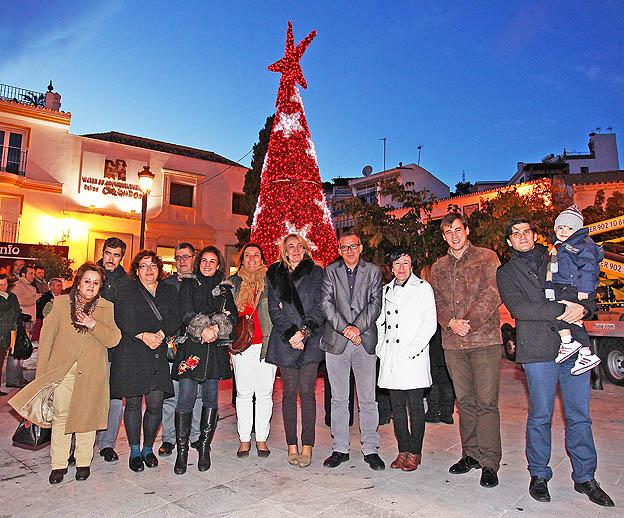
(244, 332)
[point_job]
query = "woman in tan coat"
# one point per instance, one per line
(70, 392)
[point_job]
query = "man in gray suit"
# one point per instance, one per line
(351, 303)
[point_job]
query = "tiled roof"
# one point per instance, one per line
(165, 147)
(599, 177)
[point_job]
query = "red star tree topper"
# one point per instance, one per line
(291, 196)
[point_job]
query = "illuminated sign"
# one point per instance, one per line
(604, 226)
(113, 182)
(611, 266)
(26, 250)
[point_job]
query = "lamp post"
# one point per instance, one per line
(146, 179)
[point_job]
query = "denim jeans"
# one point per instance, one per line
(188, 393)
(542, 378)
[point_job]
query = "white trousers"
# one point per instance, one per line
(253, 376)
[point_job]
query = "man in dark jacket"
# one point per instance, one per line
(55, 289)
(113, 252)
(521, 285)
(184, 257)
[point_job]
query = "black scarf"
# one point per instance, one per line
(209, 293)
(532, 258)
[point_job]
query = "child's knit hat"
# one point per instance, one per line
(570, 217)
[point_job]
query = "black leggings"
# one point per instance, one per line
(410, 440)
(299, 381)
(151, 419)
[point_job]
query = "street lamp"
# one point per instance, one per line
(146, 179)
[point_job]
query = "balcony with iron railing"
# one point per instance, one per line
(21, 95)
(13, 160)
(9, 230)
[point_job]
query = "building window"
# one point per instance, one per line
(12, 154)
(10, 210)
(584, 169)
(239, 204)
(166, 254)
(181, 194)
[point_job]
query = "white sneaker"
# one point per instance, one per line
(566, 350)
(583, 363)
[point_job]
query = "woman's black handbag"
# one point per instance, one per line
(191, 360)
(23, 348)
(30, 436)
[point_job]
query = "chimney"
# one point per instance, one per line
(52, 100)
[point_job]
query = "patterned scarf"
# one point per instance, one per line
(251, 287)
(553, 267)
(78, 305)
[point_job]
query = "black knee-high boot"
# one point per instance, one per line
(207, 426)
(183, 430)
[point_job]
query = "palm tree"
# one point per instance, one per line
(34, 99)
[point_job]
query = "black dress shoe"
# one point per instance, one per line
(71, 460)
(538, 489)
(83, 473)
(374, 461)
(464, 465)
(166, 449)
(263, 453)
(489, 478)
(592, 489)
(150, 460)
(136, 464)
(109, 454)
(19, 384)
(56, 476)
(335, 459)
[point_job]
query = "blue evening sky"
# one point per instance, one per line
(480, 85)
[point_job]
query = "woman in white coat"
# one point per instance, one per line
(405, 326)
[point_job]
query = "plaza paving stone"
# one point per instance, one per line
(265, 487)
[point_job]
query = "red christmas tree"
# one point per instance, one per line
(291, 196)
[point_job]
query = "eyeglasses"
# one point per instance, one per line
(150, 266)
(180, 257)
(353, 247)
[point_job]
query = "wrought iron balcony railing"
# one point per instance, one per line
(9, 231)
(13, 160)
(21, 95)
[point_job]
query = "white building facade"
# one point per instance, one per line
(59, 188)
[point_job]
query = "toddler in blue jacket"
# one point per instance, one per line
(573, 274)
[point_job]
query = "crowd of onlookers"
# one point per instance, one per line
(151, 349)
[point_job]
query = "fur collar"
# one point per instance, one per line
(283, 282)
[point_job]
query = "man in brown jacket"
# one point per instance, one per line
(467, 300)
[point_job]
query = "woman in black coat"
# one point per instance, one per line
(199, 298)
(294, 307)
(146, 311)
